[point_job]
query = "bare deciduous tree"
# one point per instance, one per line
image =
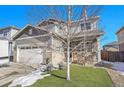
(68, 16)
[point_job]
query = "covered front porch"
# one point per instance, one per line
(86, 49)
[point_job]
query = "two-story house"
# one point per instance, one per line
(8, 32)
(44, 42)
(6, 35)
(120, 36)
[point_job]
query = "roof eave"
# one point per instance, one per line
(119, 30)
(9, 27)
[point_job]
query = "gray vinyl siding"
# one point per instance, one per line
(35, 32)
(35, 40)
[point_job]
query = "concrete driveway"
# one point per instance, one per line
(13, 71)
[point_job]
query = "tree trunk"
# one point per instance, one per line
(68, 60)
(68, 42)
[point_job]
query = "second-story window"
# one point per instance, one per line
(82, 27)
(88, 26)
(5, 34)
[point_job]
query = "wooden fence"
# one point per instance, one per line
(112, 56)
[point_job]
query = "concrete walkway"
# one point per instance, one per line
(117, 79)
(13, 71)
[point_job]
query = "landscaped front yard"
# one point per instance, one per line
(80, 77)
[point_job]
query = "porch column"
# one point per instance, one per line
(17, 55)
(10, 50)
(44, 56)
(98, 50)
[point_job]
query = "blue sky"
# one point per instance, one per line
(111, 19)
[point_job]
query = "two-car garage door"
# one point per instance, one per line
(29, 55)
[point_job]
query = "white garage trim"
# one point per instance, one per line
(38, 45)
(30, 55)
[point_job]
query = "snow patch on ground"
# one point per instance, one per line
(29, 79)
(118, 66)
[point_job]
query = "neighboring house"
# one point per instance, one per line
(34, 46)
(7, 33)
(4, 51)
(113, 46)
(120, 36)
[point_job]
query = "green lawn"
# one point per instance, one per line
(80, 77)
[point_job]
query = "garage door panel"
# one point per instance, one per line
(31, 55)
